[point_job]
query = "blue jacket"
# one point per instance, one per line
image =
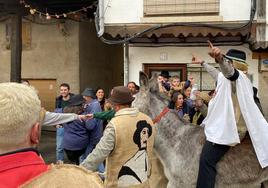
(95, 126)
(83, 134)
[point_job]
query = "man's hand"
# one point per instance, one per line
(215, 52)
(59, 126)
(196, 60)
(85, 117)
(186, 118)
(89, 116)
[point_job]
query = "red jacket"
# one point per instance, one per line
(18, 167)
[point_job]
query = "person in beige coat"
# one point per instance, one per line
(127, 144)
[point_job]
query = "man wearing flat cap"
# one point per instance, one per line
(231, 113)
(126, 145)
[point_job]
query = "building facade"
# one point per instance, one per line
(163, 34)
(58, 51)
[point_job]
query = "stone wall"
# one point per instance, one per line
(101, 65)
(51, 55)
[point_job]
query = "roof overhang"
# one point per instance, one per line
(254, 35)
(258, 40)
(176, 34)
(128, 30)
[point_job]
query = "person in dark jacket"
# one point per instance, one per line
(80, 137)
(179, 104)
(199, 112)
(61, 102)
(65, 95)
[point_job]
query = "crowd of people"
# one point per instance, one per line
(92, 128)
(79, 137)
(185, 98)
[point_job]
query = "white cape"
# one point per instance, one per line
(220, 124)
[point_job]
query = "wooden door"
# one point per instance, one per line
(47, 92)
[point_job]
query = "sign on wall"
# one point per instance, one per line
(263, 66)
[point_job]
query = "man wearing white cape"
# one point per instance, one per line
(230, 114)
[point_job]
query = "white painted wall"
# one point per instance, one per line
(235, 10)
(130, 11)
(140, 55)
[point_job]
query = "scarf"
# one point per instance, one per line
(220, 124)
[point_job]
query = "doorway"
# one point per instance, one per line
(179, 70)
(46, 91)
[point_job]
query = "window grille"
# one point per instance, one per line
(202, 78)
(180, 7)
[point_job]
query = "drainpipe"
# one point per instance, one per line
(100, 18)
(126, 64)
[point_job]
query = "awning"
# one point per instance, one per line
(175, 31)
(254, 35)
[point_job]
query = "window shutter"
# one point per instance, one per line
(179, 7)
(25, 35)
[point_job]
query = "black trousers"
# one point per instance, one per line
(74, 156)
(210, 155)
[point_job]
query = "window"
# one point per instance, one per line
(173, 69)
(180, 7)
(204, 81)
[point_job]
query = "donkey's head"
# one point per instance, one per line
(149, 100)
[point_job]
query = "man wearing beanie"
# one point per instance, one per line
(127, 144)
(231, 113)
(20, 162)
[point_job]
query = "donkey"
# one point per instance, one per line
(178, 146)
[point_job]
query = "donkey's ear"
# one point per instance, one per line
(144, 80)
(155, 76)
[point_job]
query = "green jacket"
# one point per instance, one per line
(105, 115)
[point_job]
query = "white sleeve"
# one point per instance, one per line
(52, 118)
(211, 70)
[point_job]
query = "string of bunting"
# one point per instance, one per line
(48, 16)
